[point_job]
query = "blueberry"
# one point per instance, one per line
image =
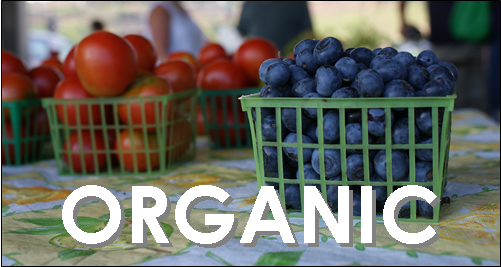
(381, 191)
(269, 129)
(311, 112)
(289, 120)
(264, 113)
(332, 194)
(327, 80)
(272, 91)
(426, 58)
(424, 172)
(297, 74)
(303, 87)
(376, 121)
(332, 162)
(361, 66)
(431, 67)
(406, 58)
(391, 70)
(331, 127)
(289, 61)
(292, 195)
(353, 115)
(388, 51)
(398, 88)
(348, 50)
(425, 154)
(292, 152)
(277, 73)
(306, 60)
(375, 51)
(270, 158)
(424, 121)
(438, 87)
(400, 165)
(419, 94)
(452, 68)
(417, 76)
(362, 55)
(378, 60)
(328, 51)
(354, 136)
(369, 83)
(357, 203)
(264, 66)
(355, 167)
(311, 131)
(405, 211)
(400, 132)
(288, 170)
(441, 72)
(348, 68)
(306, 43)
(345, 92)
(309, 174)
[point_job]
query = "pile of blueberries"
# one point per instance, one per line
(323, 69)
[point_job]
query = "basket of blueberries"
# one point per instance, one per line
(353, 117)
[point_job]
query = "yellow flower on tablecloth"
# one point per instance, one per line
(29, 195)
(487, 208)
(188, 180)
(246, 202)
(480, 229)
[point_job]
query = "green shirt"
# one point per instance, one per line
(277, 21)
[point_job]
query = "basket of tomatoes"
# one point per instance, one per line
(223, 80)
(25, 127)
(113, 116)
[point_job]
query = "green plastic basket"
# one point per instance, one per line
(220, 110)
(173, 129)
(25, 132)
(440, 154)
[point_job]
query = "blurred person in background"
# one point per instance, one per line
(170, 29)
(471, 88)
(97, 25)
(279, 21)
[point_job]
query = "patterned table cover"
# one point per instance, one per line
(33, 232)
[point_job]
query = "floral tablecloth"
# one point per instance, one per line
(33, 232)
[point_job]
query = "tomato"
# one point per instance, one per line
(182, 55)
(229, 140)
(180, 142)
(146, 55)
(16, 86)
(53, 63)
(72, 144)
(251, 54)
(45, 79)
(39, 122)
(8, 135)
(146, 86)
(72, 88)
(180, 74)
(210, 52)
(106, 64)
(11, 63)
(137, 141)
(69, 67)
(221, 74)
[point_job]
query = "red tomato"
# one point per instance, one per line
(8, 135)
(147, 86)
(251, 54)
(69, 67)
(182, 55)
(137, 142)
(73, 89)
(106, 64)
(53, 63)
(11, 63)
(210, 52)
(232, 132)
(180, 142)
(16, 86)
(45, 79)
(178, 73)
(221, 74)
(73, 145)
(146, 55)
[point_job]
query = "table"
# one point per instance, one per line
(33, 233)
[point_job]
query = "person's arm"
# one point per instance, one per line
(404, 26)
(160, 29)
